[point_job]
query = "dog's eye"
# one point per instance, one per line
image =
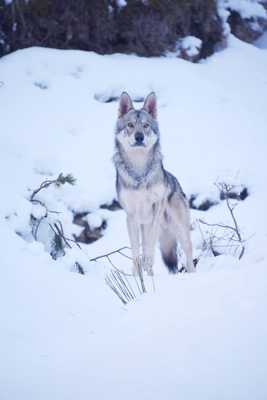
(146, 126)
(130, 125)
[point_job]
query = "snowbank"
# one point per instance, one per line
(65, 335)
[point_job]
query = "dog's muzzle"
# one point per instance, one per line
(139, 139)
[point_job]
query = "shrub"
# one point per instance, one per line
(148, 28)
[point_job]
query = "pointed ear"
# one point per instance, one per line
(150, 105)
(125, 104)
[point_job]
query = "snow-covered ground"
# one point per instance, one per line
(66, 335)
(262, 41)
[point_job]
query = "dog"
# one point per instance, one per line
(155, 204)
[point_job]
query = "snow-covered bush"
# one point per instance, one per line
(189, 48)
(148, 28)
(45, 218)
(246, 19)
(144, 27)
(245, 8)
(225, 237)
(50, 220)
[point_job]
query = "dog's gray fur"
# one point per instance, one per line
(153, 199)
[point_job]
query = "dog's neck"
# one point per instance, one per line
(137, 167)
(138, 159)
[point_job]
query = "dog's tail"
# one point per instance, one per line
(168, 248)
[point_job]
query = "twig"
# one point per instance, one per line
(58, 230)
(127, 285)
(79, 268)
(43, 185)
(116, 268)
(125, 255)
(137, 284)
(61, 180)
(141, 277)
(226, 189)
(218, 225)
(115, 290)
(109, 254)
(235, 235)
(117, 279)
(122, 283)
(36, 226)
(120, 287)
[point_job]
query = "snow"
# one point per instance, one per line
(121, 3)
(246, 8)
(251, 10)
(262, 41)
(191, 45)
(94, 220)
(66, 335)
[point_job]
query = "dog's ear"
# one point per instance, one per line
(150, 105)
(125, 104)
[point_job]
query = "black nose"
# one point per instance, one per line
(139, 137)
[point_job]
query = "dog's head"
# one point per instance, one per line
(137, 129)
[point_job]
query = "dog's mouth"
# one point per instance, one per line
(136, 144)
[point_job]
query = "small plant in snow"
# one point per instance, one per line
(41, 213)
(60, 180)
(221, 238)
(122, 283)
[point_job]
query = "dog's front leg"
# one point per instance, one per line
(133, 231)
(150, 233)
(148, 247)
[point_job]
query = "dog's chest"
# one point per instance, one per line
(143, 201)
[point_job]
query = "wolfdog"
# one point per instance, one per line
(153, 199)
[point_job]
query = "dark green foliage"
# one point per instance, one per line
(62, 179)
(148, 28)
(57, 247)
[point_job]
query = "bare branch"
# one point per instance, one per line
(125, 255)
(61, 180)
(226, 189)
(43, 185)
(58, 230)
(109, 254)
(229, 233)
(218, 225)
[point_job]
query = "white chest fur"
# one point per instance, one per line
(141, 202)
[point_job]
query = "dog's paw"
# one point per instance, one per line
(150, 271)
(190, 268)
(143, 263)
(135, 268)
(148, 265)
